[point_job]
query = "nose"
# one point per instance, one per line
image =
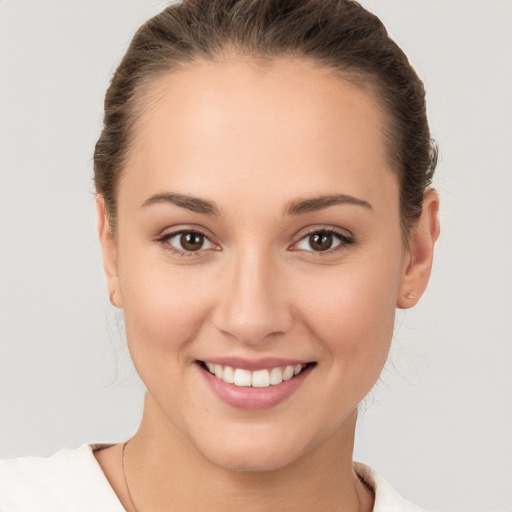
(252, 305)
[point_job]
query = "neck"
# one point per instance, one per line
(163, 470)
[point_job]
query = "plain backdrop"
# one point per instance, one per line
(438, 425)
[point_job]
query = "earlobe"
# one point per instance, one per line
(109, 252)
(418, 265)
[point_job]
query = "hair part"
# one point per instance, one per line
(339, 34)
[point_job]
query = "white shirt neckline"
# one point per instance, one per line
(73, 481)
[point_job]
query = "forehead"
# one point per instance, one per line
(287, 121)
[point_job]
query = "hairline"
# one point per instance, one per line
(147, 93)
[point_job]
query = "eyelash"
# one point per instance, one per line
(343, 239)
(164, 241)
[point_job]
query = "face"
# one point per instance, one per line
(258, 229)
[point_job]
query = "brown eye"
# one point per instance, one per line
(188, 241)
(324, 241)
(321, 241)
(191, 241)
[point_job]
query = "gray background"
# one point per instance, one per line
(439, 423)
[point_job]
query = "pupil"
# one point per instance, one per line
(191, 241)
(321, 241)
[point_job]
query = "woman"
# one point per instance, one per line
(264, 204)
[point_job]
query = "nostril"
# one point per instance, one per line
(251, 307)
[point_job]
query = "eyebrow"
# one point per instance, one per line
(194, 204)
(299, 207)
(316, 204)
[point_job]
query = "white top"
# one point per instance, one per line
(73, 481)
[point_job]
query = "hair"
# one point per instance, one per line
(339, 34)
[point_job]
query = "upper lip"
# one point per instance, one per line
(254, 364)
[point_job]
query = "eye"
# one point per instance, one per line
(188, 241)
(323, 241)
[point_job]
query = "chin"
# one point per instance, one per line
(250, 456)
(250, 462)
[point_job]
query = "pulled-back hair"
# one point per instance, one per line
(339, 34)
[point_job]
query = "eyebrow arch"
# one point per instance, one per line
(316, 204)
(193, 204)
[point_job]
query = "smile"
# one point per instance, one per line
(257, 379)
(254, 384)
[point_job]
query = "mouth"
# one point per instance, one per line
(261, 378)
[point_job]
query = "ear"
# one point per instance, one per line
(418, 261)
(109, 251)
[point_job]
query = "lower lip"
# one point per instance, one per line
(247, 397)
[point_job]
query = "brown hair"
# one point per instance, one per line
(337, 33)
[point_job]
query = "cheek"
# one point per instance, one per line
(164, 307)
(351, 311)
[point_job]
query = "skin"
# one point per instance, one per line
(252, 139)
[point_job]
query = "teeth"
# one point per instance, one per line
(288, 372)
(228, 375)
(261, 379)
(218, 371)
(242, 378)
(276, 376)
(256, 379)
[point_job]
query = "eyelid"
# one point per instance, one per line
(169, 233)
(346, 238)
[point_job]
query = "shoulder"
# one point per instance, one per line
(386, 498)
(70, 481)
